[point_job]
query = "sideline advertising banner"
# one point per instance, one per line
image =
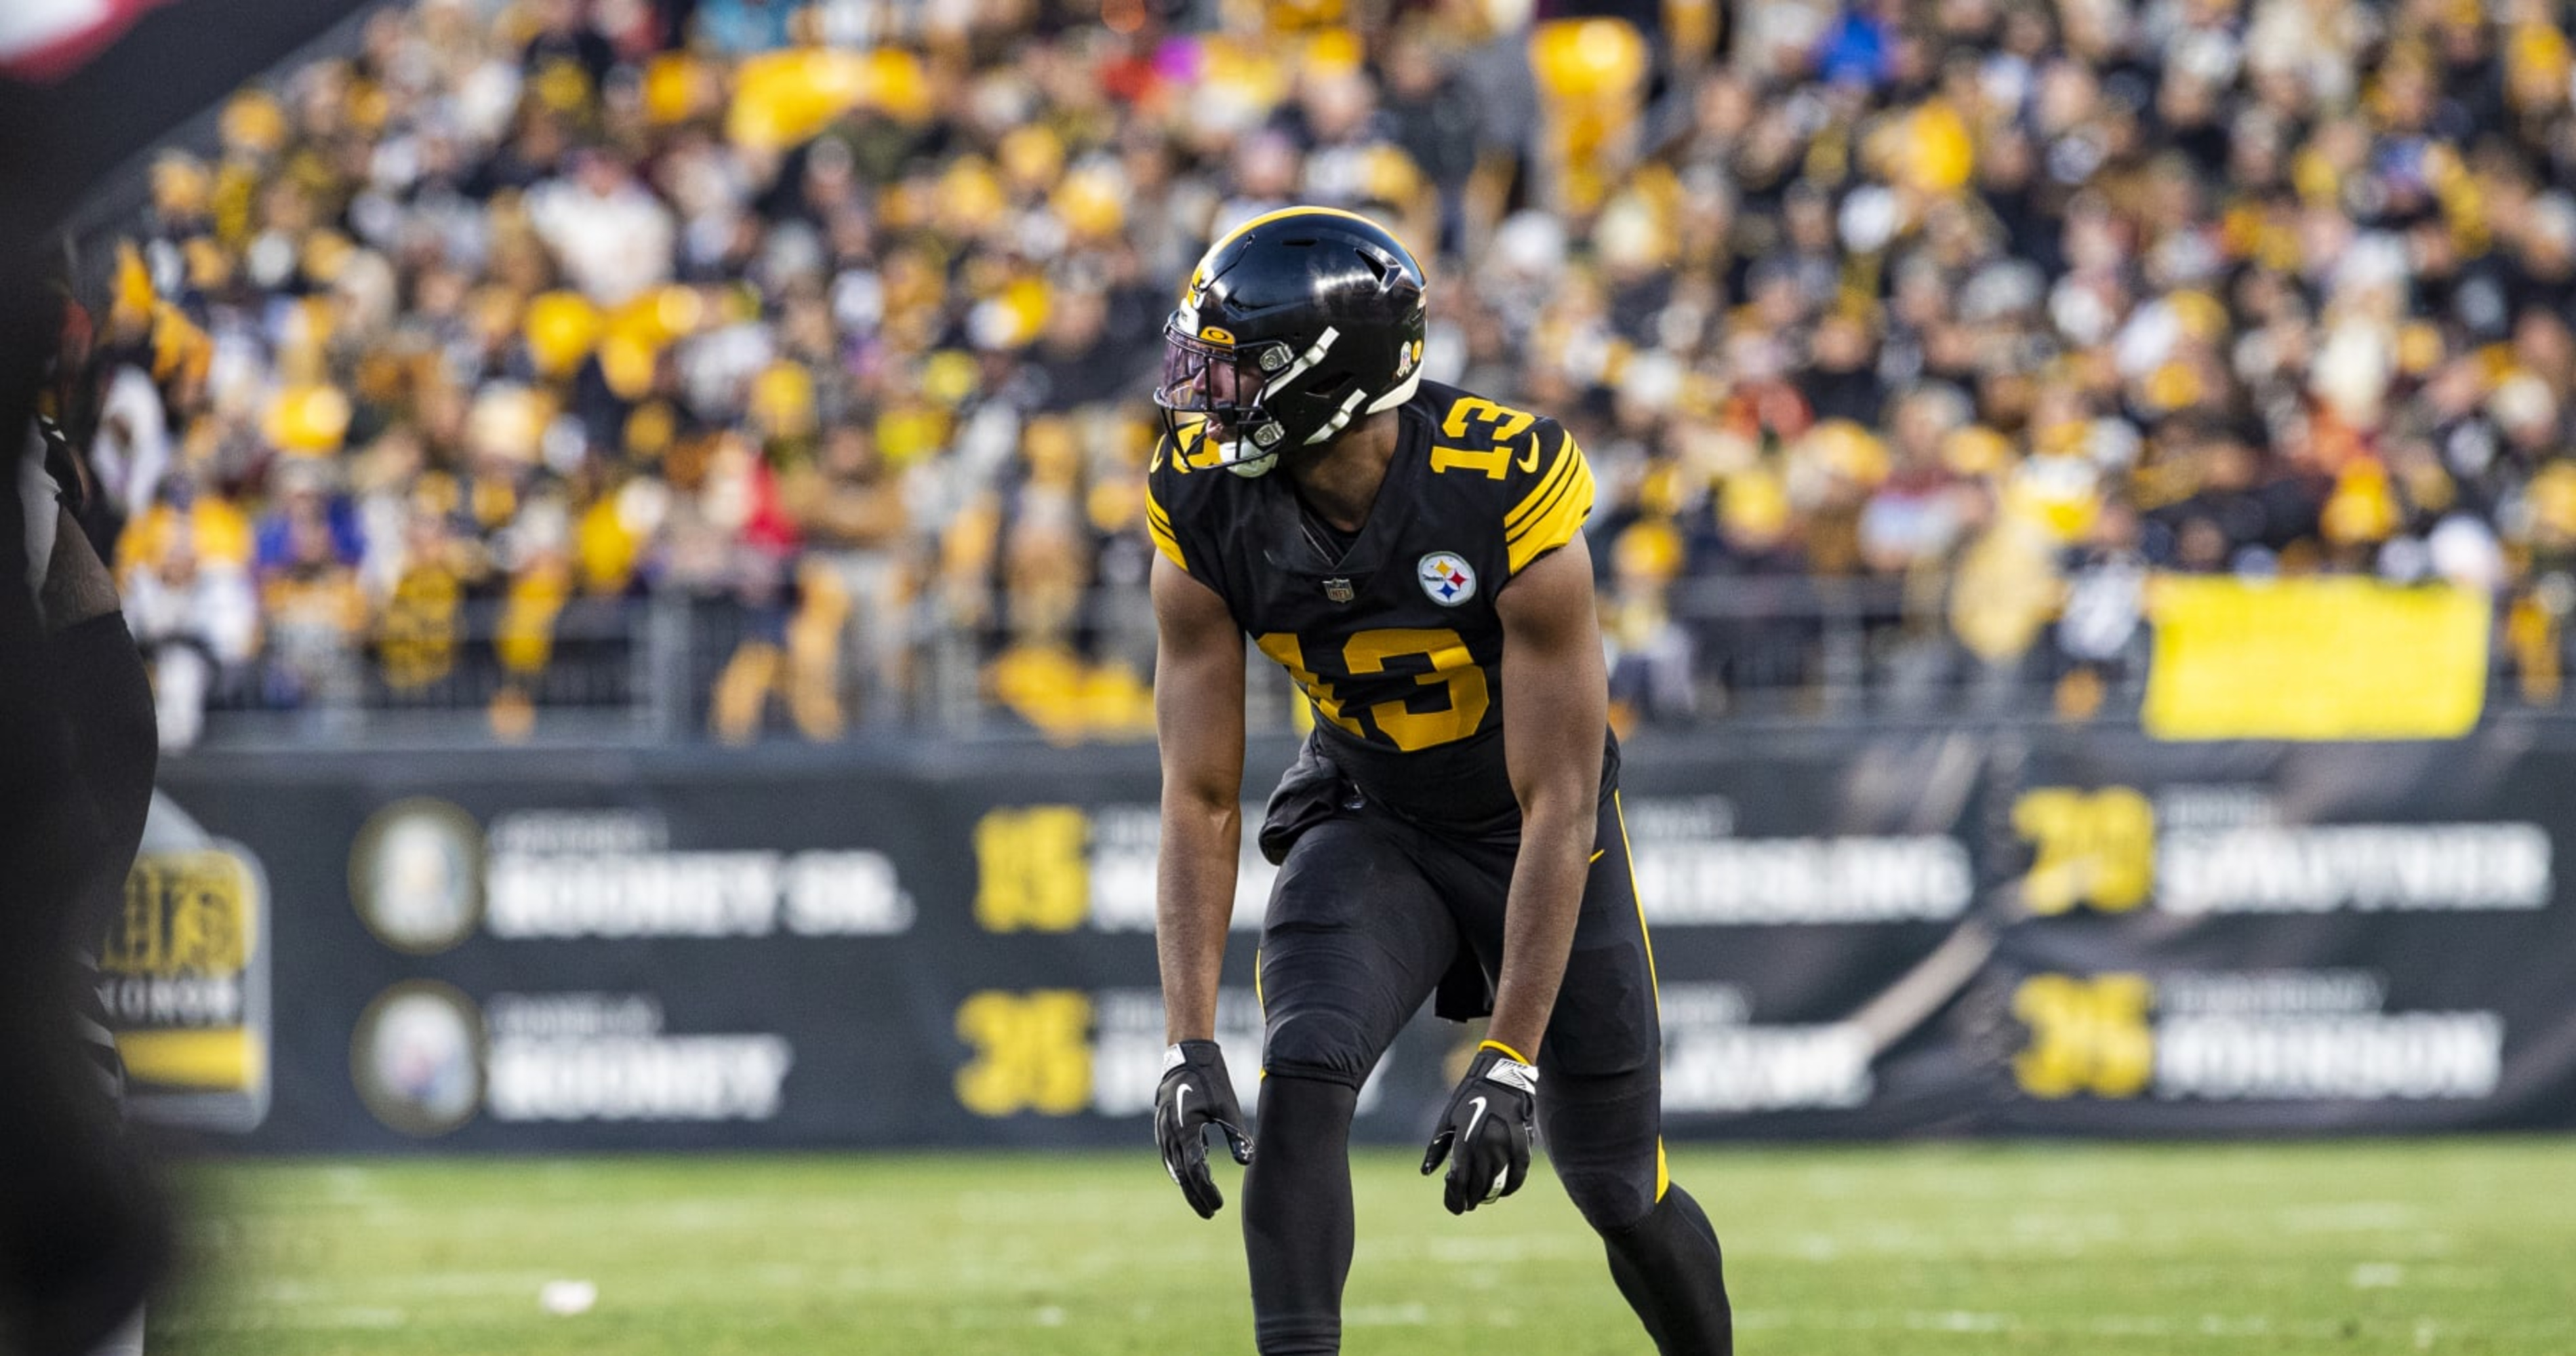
(2243, 939)
(1954, 932)
(183, 978)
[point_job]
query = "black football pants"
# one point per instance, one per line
(1368, 914)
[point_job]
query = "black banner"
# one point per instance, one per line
(1954, 932)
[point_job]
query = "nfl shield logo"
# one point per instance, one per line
(1339, 590)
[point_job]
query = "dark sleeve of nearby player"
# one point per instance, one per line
(1549, 489)
(78, 586)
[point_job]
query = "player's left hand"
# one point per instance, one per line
(1197, 1093)
(1485, 1132)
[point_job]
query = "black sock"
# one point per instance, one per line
(1297, 1215)
(1673, 1274)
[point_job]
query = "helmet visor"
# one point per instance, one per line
(1220, 381)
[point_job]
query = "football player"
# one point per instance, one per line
(1413, 556)
(83, 1229)
(106, 702)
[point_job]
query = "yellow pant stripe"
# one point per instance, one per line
(1620, 812)
(1663, 1166)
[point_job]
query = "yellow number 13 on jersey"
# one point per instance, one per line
(1368, 652)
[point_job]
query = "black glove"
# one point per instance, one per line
(1196, 1093)
(1485, 1132)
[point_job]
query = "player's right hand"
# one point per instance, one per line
(1197, 1093)
(1485, 1130)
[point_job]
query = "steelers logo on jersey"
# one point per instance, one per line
(1446, 578)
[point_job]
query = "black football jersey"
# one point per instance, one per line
(1392, 633)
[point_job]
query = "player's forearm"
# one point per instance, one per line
(1198, 721)
(1194, 899)
(1538, 922)
(1555, 713)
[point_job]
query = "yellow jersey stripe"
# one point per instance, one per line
(1158, 525)
(1557, 525)
(1556, 473)
(1547, 506)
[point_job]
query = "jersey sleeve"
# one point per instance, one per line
(1168, 487)
(1550, 491)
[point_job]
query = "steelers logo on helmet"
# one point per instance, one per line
(1447, 579)
(1294, 325)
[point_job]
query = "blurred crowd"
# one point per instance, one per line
(1963, 320)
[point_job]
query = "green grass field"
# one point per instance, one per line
(2443, 1246)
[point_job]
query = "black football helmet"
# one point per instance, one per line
(1294, 324)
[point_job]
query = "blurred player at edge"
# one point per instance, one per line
(1413, 555)
(83, 1228)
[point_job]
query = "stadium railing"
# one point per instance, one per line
(674, 667)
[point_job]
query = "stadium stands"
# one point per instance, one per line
(785, 373)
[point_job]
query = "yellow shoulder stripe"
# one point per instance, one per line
(1547, 484)
(1557, 519)
(1158, 525)
(1578, 475)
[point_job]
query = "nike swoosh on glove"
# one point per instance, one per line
(1485, 1131)
(1197, 1093)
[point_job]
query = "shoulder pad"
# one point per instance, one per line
(1542, 484)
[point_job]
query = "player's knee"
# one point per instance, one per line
(1609, 1197)
(1603, 1138)
(1319, 1045)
